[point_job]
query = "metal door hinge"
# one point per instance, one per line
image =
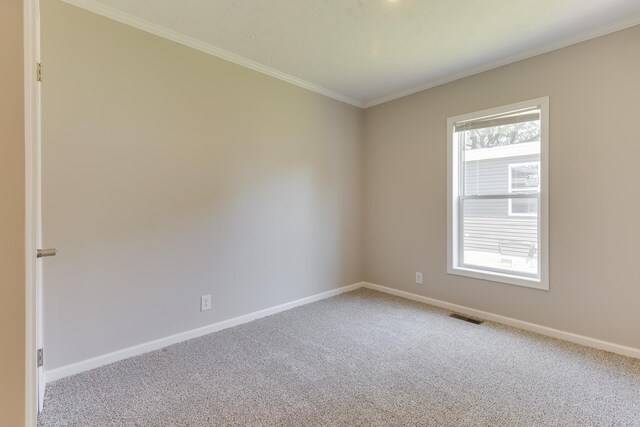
(39, 72)
(40, 357)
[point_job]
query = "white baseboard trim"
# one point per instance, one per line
(96, 362)
(527, 326)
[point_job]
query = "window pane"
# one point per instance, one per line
(501, 169)
(493, 240)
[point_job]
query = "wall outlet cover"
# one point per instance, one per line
(205, 302)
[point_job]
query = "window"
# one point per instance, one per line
(497, 188)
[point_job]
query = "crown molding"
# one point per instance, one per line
(600, 31)
(158, 30)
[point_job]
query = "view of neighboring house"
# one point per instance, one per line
(502, 232)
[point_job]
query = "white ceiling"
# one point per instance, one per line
(368, 51)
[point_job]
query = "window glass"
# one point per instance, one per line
(496, 227)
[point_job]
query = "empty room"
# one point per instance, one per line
(320, 212)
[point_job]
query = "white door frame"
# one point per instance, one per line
(34, 377)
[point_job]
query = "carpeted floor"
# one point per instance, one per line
(361, 358)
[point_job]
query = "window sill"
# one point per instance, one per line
(505, 278)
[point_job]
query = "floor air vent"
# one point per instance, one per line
(465, 318)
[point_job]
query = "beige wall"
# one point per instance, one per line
(169, 174)
(594, 90)
(12, 172)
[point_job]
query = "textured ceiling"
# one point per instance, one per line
(368, 51)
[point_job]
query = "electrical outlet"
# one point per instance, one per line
(418, 278)
(205, 302)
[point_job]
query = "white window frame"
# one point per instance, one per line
(510, 189)
(541, 281)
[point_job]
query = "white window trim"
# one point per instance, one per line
(511, 166)
(453, 266)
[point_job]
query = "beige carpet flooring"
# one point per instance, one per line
(358, 359)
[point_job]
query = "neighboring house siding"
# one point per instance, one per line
(487, 222)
